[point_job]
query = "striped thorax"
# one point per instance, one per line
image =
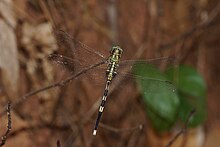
(111, 71)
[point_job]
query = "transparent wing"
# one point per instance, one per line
(155, 61)
(148, 71)
(68, 64)
(64, 62)
(81, 55)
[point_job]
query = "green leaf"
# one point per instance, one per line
(160, 98)
(188, 80)
(188, 104)
(192, 92)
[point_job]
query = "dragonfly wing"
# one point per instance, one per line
(96, 75)
(155, 61)
(81, 54)
(66, 63)
(145, 71)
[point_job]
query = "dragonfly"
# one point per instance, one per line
(112, 63)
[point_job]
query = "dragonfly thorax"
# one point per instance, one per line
(117, 51)
(111, 71)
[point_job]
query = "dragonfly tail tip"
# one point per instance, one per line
(94, 132)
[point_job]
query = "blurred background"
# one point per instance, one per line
(46, 109)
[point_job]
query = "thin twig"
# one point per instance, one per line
(205, 24)
(39, 127)
(4, 138)
(113, 20)
(46, 12)
(135, 138)
(56, 84)
(116, 130)
(58, 143)
(58, 103)
(183, 130)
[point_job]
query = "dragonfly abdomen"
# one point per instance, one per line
(101, 107)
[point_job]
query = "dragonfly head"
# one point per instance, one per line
(116, 50)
